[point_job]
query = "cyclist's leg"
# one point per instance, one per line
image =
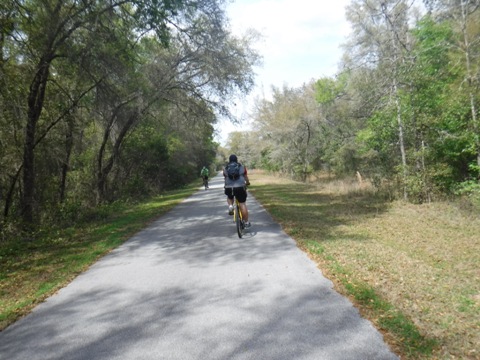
(244, 210)
(229, 193)
(241, 195)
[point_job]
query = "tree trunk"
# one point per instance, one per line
(104, 168)
(401, 139)
(306, 157)
(35, 105)
(391, 25)
(9, 197)
(66, 162)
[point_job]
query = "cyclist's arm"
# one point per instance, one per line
(245, 175)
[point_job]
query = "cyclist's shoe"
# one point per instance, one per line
(247, 225)
(230, 210)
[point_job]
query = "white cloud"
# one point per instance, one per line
(301, 41)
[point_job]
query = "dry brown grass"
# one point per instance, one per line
(423, 259)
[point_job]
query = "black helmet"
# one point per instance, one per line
(233, 158)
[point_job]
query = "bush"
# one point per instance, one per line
(470, 191)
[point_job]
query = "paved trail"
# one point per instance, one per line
(188, 288)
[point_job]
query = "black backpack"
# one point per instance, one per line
(233, 170)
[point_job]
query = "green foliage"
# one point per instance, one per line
(419, 189)
(439, 145)
(144, 158)
(69, 212)
(400, 113)
(378, 146)
(471, 191)
(346, 160)
(301, 172)
(111, 113)
(326, 90)
(440, 113)
(154, 15)
(266, 163)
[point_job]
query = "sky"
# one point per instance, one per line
(301, 41)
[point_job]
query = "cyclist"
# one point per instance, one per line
(204, 175)
(236, 186)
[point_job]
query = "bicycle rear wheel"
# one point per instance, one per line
(238, 221)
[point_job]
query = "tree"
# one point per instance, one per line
(197, 73)
(469, 45)
(344, 108)
(46, 30)
(72, 68)
(381, 33)
(287, 127)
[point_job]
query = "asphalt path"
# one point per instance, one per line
(188, 288)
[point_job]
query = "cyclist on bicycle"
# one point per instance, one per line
(236, 181)
(204, 175)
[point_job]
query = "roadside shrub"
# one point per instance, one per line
(470, 192)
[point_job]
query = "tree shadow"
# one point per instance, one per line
(203, 322)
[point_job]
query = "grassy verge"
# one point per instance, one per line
(412, 270)
(33, 269)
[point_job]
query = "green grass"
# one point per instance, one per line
(410, 269)
(33, 268)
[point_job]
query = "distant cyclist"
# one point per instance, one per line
(236, 181)
(204, 175)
